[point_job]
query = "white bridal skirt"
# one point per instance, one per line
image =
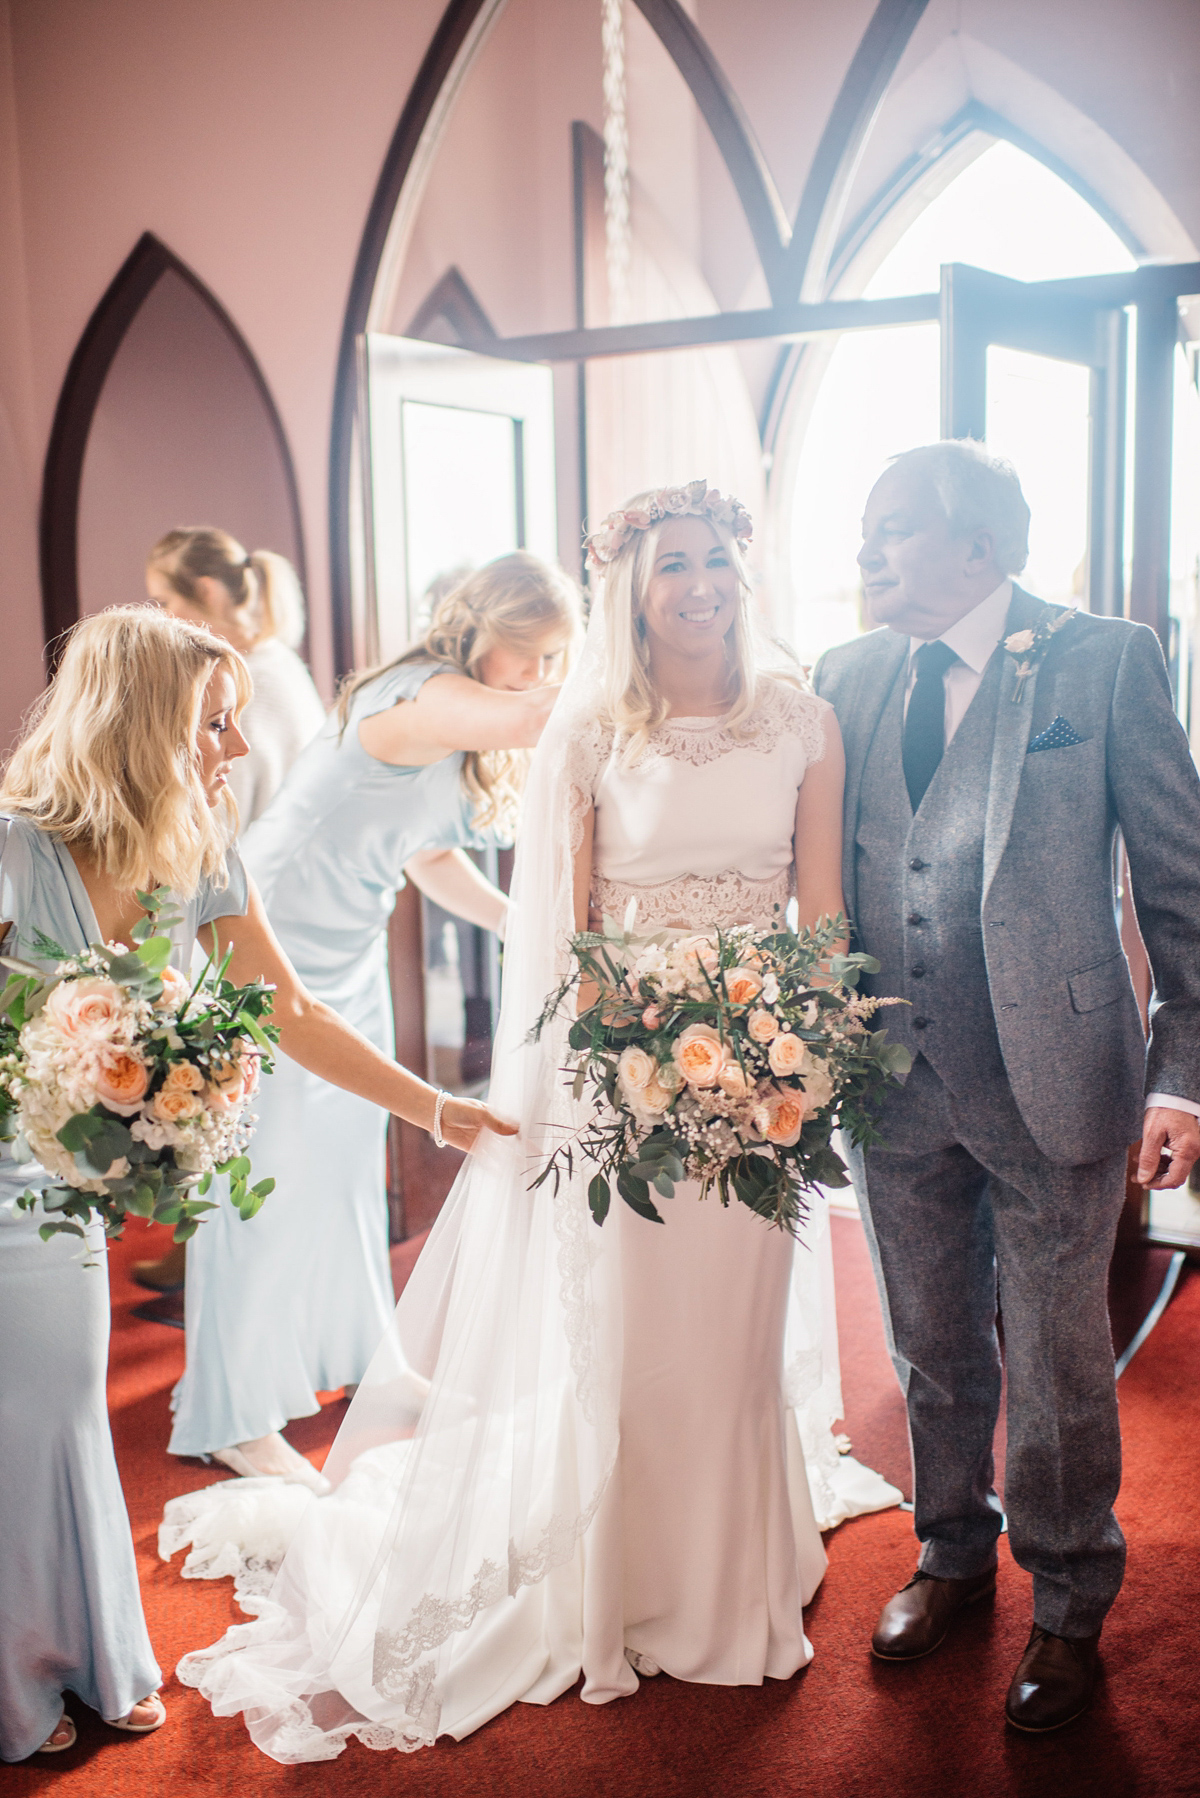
(696, 1556)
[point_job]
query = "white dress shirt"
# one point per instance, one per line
(973, 640)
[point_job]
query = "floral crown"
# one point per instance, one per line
(606, 542)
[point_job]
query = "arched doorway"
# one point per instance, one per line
(164, 419)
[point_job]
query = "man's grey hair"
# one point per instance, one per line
(975, 491)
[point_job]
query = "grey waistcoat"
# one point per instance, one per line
(919, 883)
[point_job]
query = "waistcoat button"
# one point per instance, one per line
(914, 917)
(916, 864)
(918, 973)
(919, 1023)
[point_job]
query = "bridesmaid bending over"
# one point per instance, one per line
(119, 784)
(423, 758)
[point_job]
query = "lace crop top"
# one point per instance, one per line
(699, 830)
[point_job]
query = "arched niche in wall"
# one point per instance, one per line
(164, 419)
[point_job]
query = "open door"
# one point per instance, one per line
(458, 468)
(1063, 324)
(988, 324)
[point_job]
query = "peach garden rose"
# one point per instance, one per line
(742, 985)
(787, 1055)
(699, 1054)
(120, 1078)
(762, 1026)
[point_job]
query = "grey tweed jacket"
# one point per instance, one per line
(1112, 754)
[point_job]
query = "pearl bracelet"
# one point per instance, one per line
(438, 1139)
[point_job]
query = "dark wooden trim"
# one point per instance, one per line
(818, 216)
(1153, 410)
(713, 328)
(453, 299)
(86, 374)
(453, 30)
(734, 135)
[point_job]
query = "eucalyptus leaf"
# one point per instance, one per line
(599, 1197)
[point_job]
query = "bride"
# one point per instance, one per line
(580, 1450)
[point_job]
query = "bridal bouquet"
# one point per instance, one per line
(727, 1058)
(129, 1082)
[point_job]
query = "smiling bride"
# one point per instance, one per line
(584, 1451)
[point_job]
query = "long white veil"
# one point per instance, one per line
(481, 1440)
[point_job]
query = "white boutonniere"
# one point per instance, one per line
(1027, 648)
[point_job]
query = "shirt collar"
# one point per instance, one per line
(974, 637)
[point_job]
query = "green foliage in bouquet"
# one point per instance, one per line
(728, 1058)
(113, 1024)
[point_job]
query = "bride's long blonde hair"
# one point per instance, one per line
(108, 760)
(632, 701)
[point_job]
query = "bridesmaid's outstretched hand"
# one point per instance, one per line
(463, 1119)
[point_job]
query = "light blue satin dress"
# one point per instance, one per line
(296, 1302)
(70, 1610)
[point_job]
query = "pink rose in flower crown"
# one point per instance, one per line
(699, 1054)
(788, 1055)
(174, 1104)
(741, 985)
(762, 1026)
(120, 1079)
(91, 1010)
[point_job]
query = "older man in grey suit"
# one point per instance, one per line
(994, 744)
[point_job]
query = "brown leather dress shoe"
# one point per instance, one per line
(916, 1620)
(1054, 1683)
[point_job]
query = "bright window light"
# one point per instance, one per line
(880, 392)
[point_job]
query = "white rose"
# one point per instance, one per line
(634, 1068)
(818, 1087)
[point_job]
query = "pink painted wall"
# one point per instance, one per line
(181, 436)
(248, 136)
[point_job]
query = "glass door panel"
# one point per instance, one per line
(458, 469)
(1039, 417)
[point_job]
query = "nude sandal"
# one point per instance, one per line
(141, 1729)
(50, 1746)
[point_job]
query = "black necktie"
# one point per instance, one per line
(925, 725)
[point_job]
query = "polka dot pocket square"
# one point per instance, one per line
(1058, 735)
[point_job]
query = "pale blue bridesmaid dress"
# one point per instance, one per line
(70, 1610)
(296, 1302)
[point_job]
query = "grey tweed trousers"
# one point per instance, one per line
(962, 1210)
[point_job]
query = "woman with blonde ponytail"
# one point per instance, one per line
(120, 785)
(254, 601)
(204, 576)
(423, 758)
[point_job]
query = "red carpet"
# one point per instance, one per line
(845, 1728)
